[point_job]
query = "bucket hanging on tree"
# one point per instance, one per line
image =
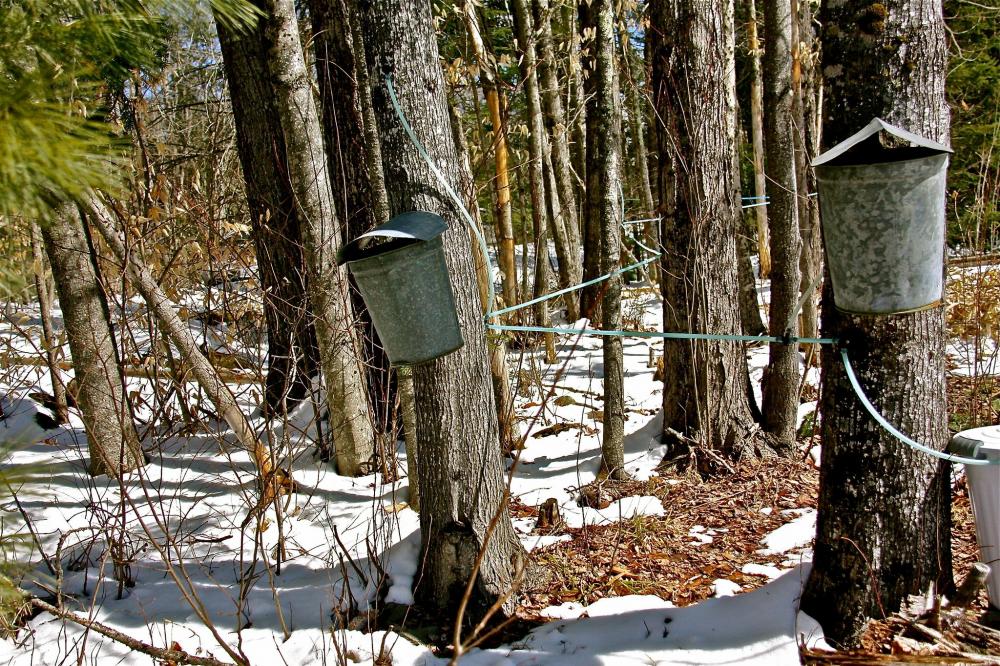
(881, 196)
(400, 270)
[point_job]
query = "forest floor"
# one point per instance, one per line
(667, 568)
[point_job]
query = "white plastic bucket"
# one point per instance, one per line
(984, 487)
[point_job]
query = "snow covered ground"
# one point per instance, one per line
(199, 577)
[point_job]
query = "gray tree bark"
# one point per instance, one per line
(499, 371)
(462, 487)
(606, 121)
(781, 384)
(705, 389)
(633, 69)
(100, 394)
(576, 106)
(590, 301)
(562, 168)
(339, 347)
(292, 356)
(750, 316)
(537, 148)
(884, 525)
(806, 97)
(354, 157)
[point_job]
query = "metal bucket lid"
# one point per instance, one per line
(402, 230)
(863, 149)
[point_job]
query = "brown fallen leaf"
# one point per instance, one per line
(557, 428)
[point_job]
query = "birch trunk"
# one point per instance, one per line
(607, 124)
(884, 524)
(350, 418)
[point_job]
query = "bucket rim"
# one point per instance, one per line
(823, 167)
(857, 313)
(416, 246)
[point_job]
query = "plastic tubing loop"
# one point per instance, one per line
(891, 429)
(492, 314)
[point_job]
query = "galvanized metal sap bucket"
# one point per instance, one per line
(400, 270)
(883, 220)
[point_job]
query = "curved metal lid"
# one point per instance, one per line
(867, 150)
(404, 229)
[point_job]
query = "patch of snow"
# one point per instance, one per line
(623, 509)
(810, 633)
(568, 610)
(766, 570)
(701, 535)
(723, 587)
(753, 629)
(632, 602)
(795, 534)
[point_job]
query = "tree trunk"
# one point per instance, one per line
(292, 355)
(705, 388)
(884, 524)
(650, 229)
(750, 317)
(462, 493)
(606, 121)
(590, 296)
(501, 184)
(350, 419)
(49, 339)
(354, 160)
(569, 260)
(179, 333)
(805, 86)
(562, 169)
(576, 107)
(408, 407)
(100, 385)
(781, 384)
(499, 372)
(536, 168)
(757, 132)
